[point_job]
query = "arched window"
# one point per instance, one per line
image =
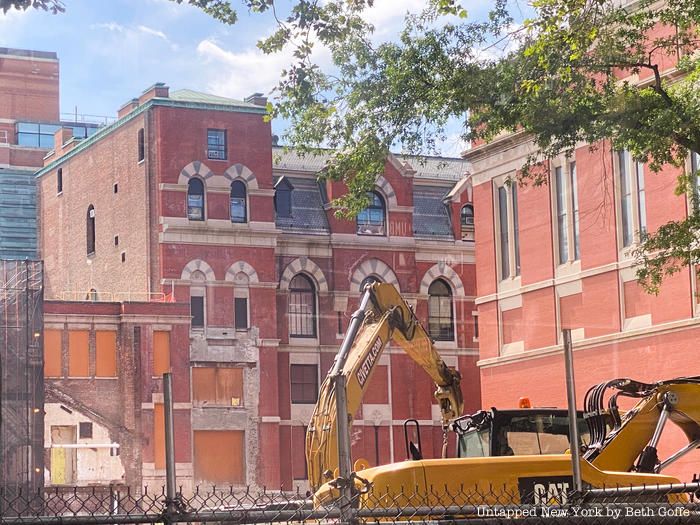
(302, 307)
(90, 228)
(195, 199)
(198, 300)
(283, 198)
(369, 280)
(440, 323)
(238, 202)
(372, 220)
(467, 216)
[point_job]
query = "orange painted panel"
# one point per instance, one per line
(219, 456)
(105, 354)
(78, 353)
(159, 435)
(52, 353)
(203, 385)
(218, 386)
(161, 353)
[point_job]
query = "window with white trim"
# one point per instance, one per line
(566, 210)
(440, 311)
(238, 206)
(632, 198)
(695, 178)
(507, 228)
(195, 199)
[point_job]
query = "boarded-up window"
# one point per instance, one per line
(158, 436)
(78, 353)
(106, 354)
(217, 386)
(161, 353)
(52, 353)
(219, 456)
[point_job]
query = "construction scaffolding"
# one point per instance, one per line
(21, 379)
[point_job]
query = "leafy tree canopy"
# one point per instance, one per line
(566, 75)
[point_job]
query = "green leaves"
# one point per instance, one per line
(54, 6)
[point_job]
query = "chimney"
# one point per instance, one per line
(63, 142)
(257, 98)
(128, 107)
(159, 89)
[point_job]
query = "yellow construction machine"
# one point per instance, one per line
(501, 454)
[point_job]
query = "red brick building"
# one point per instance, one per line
(185, 198)
(559, 256)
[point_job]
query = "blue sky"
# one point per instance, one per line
(111, 50)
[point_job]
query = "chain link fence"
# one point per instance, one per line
(670, 504)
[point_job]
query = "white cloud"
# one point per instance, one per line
(237, 74)
(135, 33)
(154, 32)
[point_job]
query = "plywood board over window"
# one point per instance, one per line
(52, 353)
(161, 353)
(217, 386)
(105, 354)
(219, 456)
(78, 353)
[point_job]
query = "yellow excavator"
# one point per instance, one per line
(621, 448)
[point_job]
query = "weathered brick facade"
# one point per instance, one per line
(247, 400)
(575, 270)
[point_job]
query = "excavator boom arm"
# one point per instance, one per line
(383, 316)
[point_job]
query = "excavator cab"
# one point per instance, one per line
(518, 432)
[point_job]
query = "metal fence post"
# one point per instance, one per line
(574, 440)
(170, 479)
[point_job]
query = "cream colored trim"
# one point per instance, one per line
(569, 288)
(304, 358)
(617, 337)
(551, 282)
(510, 303)
(636, 323)
(516, 347)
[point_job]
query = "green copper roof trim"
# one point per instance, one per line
(165, 102)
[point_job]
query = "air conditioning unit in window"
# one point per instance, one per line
(92, 213)
(216, 154)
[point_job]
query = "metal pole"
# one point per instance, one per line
(344, 458)
(169, 442)
(574, 441)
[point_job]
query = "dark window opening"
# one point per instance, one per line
(123, 256)
(283, 198)
(197, 311)
(142, 145)
(372, 220)
(59, 180)
(304, 383)
(440, 321)
(116, 240)
(116, 188)
(195, 200)
(90, 227)
(467, 216)
(216, 144)
(240, 313)
(238, 202)
(302, 307)
(84, 430)
(476, 326)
